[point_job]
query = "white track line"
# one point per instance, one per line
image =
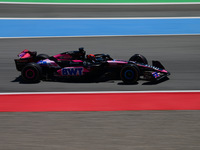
(113, 18)
(99, 36)
(103, 92)
(37, 3)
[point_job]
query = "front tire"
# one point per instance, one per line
(130, 74)
(32, 72)
(139, 59)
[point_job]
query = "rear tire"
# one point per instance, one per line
(32, 73)
(130, 74)
(139, 59)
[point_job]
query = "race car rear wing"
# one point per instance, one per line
(25, 57)
(27, 54)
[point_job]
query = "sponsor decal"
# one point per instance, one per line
(21, 54)
(149, 66)
(155, 74)
(41, 62)
(48, 63)
(72, 71)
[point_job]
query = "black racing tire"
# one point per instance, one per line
(32, 73)
(130, 74)
(41, 57)
(139, 59)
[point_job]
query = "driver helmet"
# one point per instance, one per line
(91, 57)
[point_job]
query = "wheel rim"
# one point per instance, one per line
(129, 74)
(30, 73)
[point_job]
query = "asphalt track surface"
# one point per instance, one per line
(94, 11)
(131, 130)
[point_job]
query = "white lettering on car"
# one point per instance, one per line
(69, 71)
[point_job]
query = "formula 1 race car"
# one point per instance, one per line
(76, 64)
